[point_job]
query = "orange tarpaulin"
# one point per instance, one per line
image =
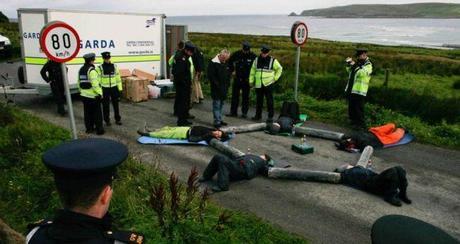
(388, 134)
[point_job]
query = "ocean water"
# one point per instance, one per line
(433, 33)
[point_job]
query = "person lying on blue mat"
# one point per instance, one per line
(190, 133)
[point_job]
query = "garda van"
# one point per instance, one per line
(135, 40)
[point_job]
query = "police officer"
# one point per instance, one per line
(51, 72)
(181, 70)
(241, 168)
(91, 95)
(110, 80)
(265, 71)
(84, 185)
(357, 86)
(241, 62)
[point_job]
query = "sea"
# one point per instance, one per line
(431, 33)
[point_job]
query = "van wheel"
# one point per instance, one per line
(21, 78)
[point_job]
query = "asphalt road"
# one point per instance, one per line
(323, 213)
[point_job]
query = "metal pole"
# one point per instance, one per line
(69, 101)
(297, 65)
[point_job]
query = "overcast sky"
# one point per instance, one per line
(191, 7)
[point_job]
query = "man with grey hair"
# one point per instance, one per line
(219, 75)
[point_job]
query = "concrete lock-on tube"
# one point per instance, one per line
(244, 128)
(331, 135)
(225, 149)
(304, 175)
(365, 156)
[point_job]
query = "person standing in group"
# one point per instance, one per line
(110, 80)
(182, 72)
(198, 64)
(357, 86)
(91, 95)
(219, 76)
(51, 72)
(241, 62)
(265, 71)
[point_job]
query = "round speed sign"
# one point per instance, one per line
(59, 41)
(299, 33)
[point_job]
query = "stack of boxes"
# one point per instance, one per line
(135, 84)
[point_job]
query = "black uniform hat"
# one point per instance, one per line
(105, 55)
(246, 46)
(189, 46)
(89, 56)
(360, 51)
(85, 162)
(265, 48)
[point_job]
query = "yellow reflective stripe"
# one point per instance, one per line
(114, 59)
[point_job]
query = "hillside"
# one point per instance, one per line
(417, 10)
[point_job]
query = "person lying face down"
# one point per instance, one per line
(190, 133)
(242, 168)
(390, 183)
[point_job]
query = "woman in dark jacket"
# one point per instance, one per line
(219, 76)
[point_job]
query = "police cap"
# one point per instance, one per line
(265, 48)
(360, 51)
(189, 46)
(105, 55)
(89, 56)
(85, 162)
(246, 45)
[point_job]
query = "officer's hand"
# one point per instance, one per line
(349, 61)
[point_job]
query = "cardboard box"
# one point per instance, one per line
(144, 75)
(125, 73)
(135, 89)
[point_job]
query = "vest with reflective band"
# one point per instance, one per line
(88, 82)
(192, 67)
(265, 73)
(109, 75)
(361, 79)
(171, 132)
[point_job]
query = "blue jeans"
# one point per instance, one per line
(217, 106)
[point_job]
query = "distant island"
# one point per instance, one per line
(416, 10)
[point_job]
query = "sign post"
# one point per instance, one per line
(61, 43)
(299, 36)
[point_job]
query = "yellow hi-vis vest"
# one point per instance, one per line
(192, 67)
(88, 82)
(361, 79)
(171, 132)
(265, 75)
(110, 80)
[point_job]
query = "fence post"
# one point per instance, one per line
(387, 77)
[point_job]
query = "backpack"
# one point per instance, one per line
(291, 110)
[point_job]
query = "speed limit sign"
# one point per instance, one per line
(59, 41)
(299, 33)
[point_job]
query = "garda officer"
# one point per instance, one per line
(241, 62)
(357, 86)
(84, 185)
(182, 72)
(110, 80)
(265, 71)
(242, 168)
(91, 95)
(51, 72)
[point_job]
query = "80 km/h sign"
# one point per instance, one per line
(299, 33)
(59, 41)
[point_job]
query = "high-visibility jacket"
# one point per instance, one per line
(192, 67)
(171, 132)
(88, 82)
(109, 75)
(360, 79)
(265, 74)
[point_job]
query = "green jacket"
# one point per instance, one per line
(171, 132)
(109, 75)
(360, 76)
(89, 75)
(266, 72)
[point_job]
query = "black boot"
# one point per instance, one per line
(404, 198)
(393, 200)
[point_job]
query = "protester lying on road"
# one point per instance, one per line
(242, 168)
(190, 133)
(391, 183)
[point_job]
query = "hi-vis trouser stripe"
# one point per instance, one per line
(114, 59)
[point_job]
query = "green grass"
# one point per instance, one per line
(27, 193)
(422, 93)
